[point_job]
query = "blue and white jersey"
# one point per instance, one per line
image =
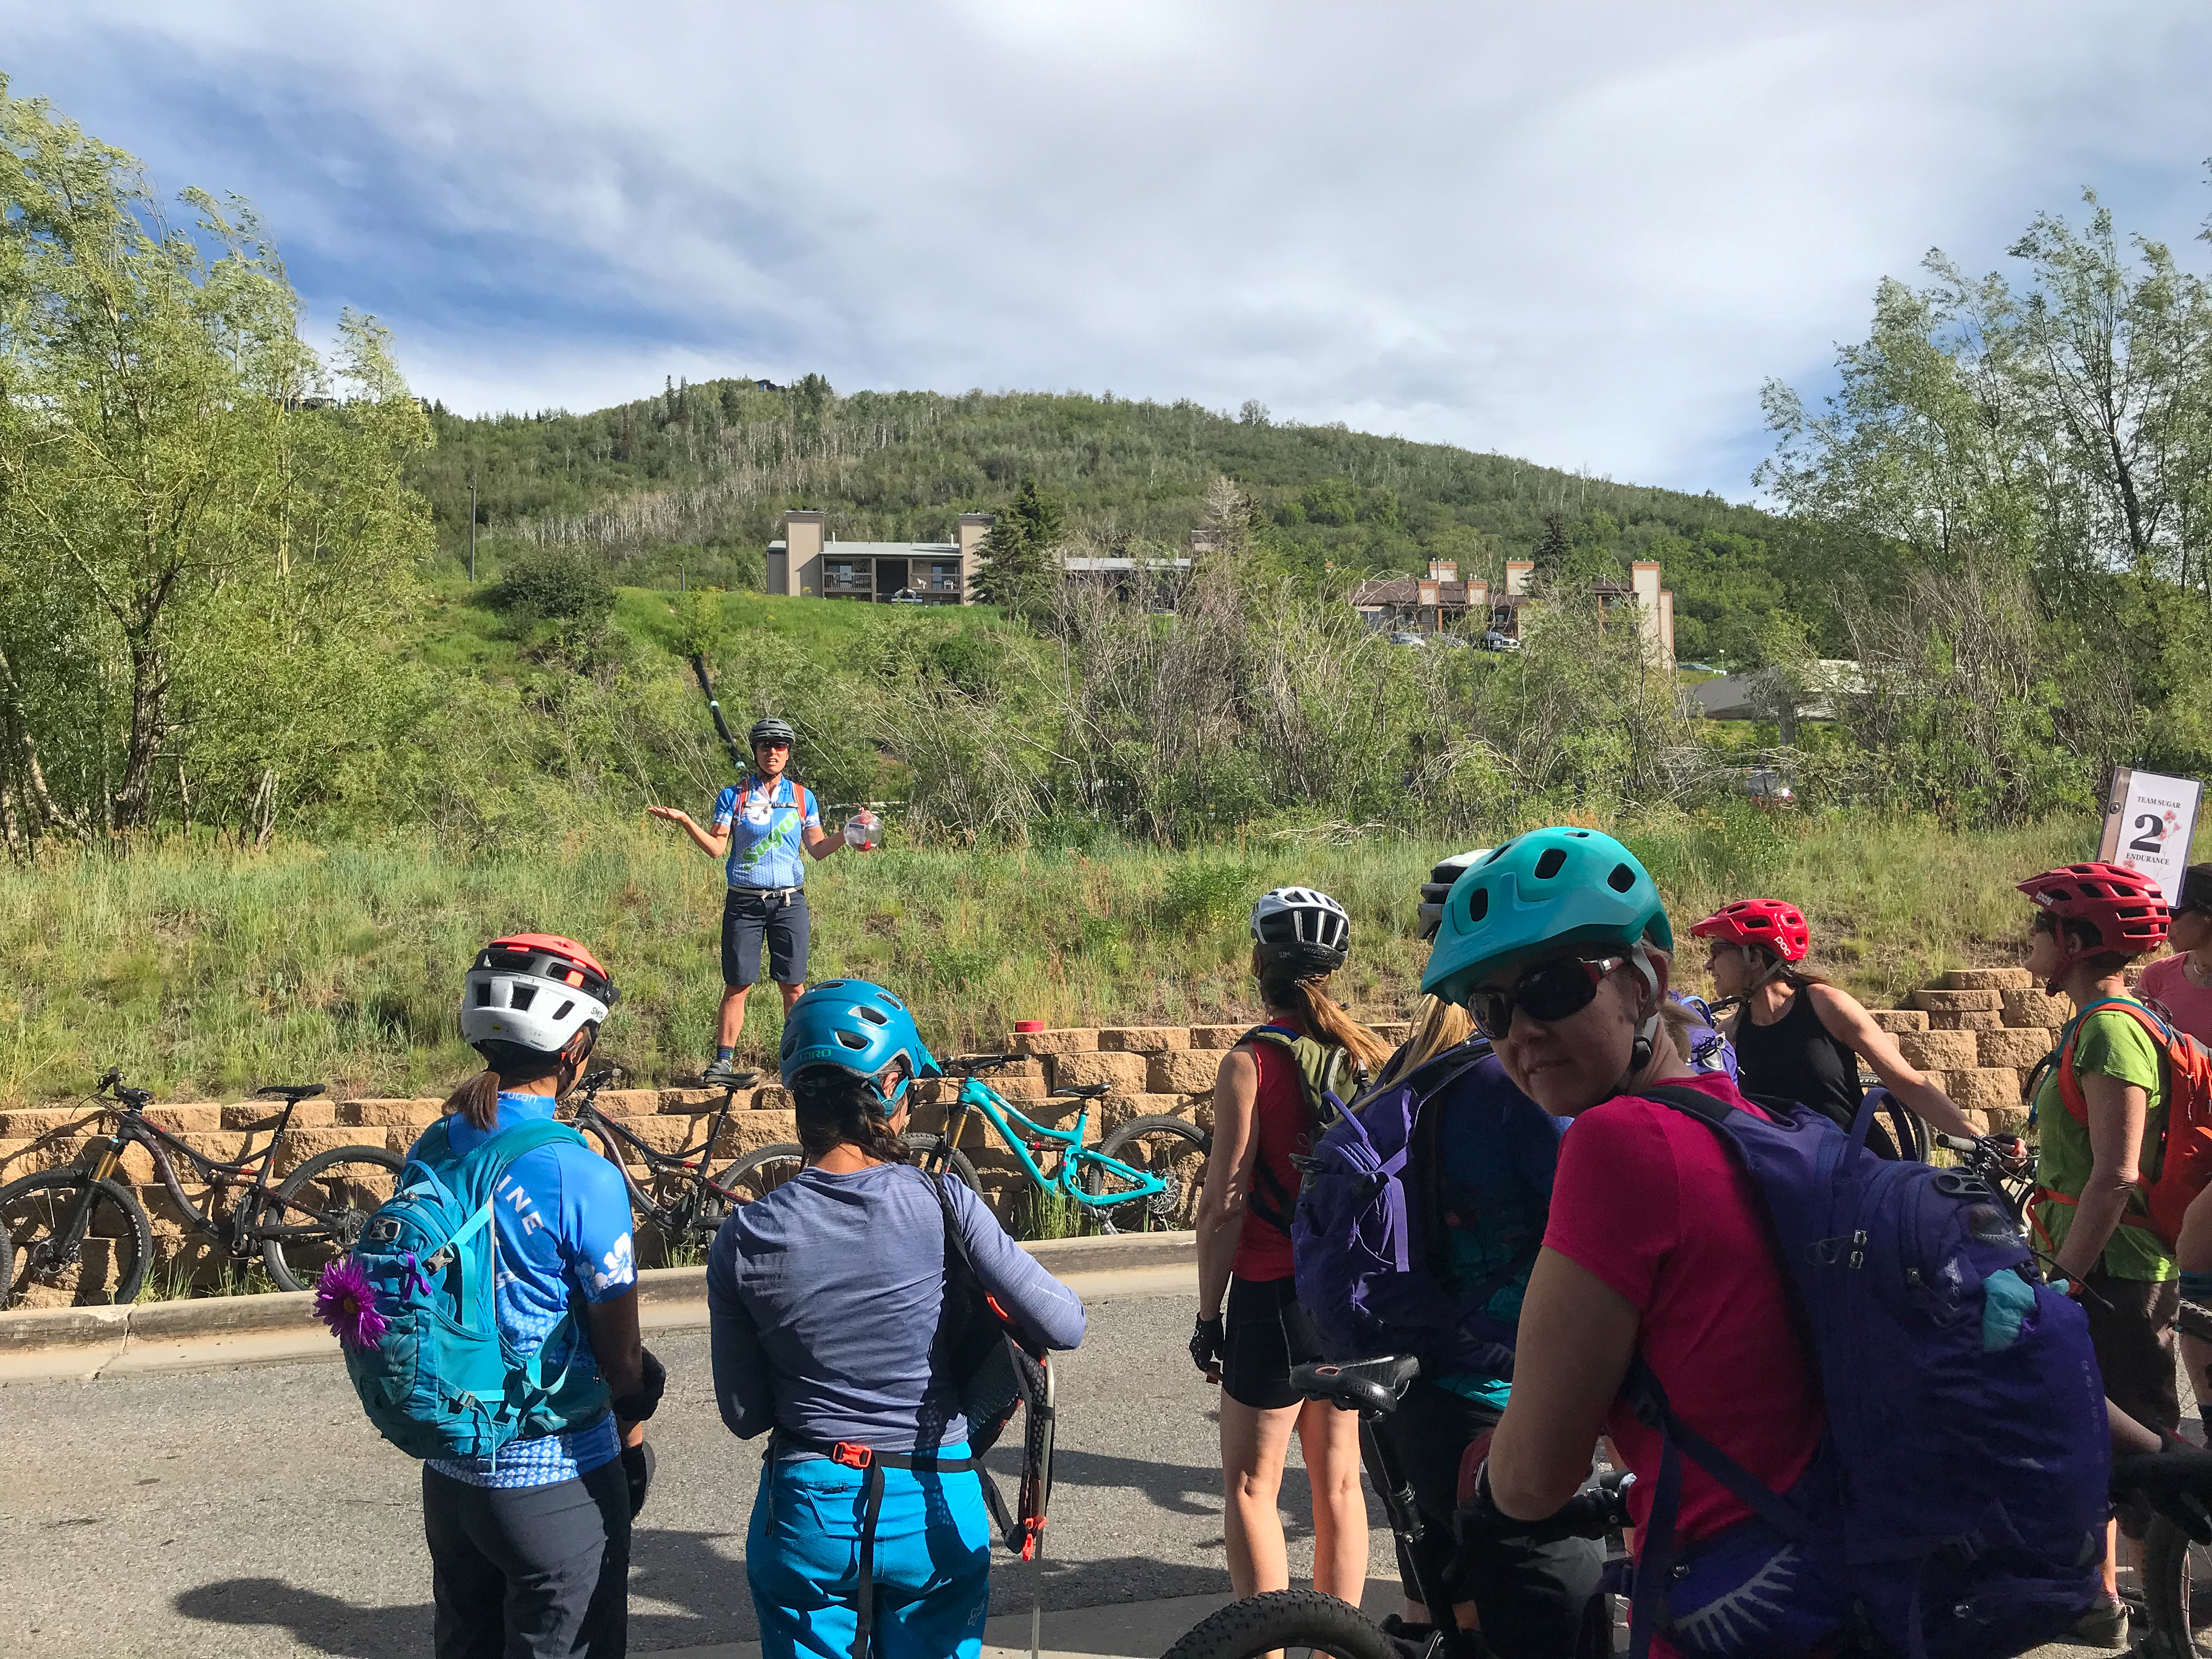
(768, 827)
(562, 1228)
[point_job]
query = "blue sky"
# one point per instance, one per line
(1583, 234)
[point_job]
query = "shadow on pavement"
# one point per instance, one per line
(315, 1621)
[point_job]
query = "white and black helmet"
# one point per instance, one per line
(534, 991)
(1302, 928)
(1437, 888)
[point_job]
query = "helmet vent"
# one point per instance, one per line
(873, 1016)
(1478, 905)
(484, 994)
(1621, 879)
(520, 997)
(1548, 865)
(562, 1011)
(852, 1039)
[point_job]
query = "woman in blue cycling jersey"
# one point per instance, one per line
(529, 1549)
(869, 1534)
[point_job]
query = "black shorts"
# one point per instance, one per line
(1264, 1333)
(749, 916)
(1530, 1598)
(2131, 1328)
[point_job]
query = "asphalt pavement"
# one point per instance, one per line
(253, 1511)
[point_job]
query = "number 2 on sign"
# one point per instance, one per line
(2151, 834)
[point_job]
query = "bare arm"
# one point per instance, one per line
(1577, 1335)
(1228, 1175)
(713, 842)
(820, 842)
(1848, 1022)
(2118, 1111)
(620, 1350)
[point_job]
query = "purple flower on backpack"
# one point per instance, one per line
(346, 1302)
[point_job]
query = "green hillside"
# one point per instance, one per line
(690, 485)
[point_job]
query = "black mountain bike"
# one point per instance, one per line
(675, 1199)
(1328, 1625)
(83, 1234)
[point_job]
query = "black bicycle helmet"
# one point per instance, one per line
(1301, 929)
(771, 730)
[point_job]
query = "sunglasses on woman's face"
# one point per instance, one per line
(1549, 991)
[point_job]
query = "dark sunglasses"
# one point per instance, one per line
(1549, 991)
(764, 743)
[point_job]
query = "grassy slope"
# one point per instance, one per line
(207, 970)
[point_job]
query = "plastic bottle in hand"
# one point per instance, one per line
(863, 831)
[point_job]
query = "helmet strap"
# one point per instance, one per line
(1647, 1028)
(1766, 976)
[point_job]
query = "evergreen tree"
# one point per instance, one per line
(1017, 555)
(1554, 552)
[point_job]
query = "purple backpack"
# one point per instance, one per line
(1368, 1239)
(1957, 1508)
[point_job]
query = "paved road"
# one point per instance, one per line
(253, 1511)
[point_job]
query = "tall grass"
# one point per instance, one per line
(201, 971)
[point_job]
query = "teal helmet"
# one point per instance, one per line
(1542, 893)
(856, 1027)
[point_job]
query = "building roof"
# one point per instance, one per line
(886, 549)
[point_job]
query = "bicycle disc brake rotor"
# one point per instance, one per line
(1162, 1204)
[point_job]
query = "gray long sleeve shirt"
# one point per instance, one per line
(825, 1297)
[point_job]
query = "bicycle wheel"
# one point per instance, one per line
(1907, 1134)
(923, 1147)
(759, 1173)
(2177, 1582)
(1172, 1148)
(107, 1263)
(1284, 1618)
(321, 1207)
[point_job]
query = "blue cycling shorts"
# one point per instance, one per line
(933, 1561)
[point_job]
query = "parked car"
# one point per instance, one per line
(1403, 638)
(1494, 640)
(908, 596)
(1457, 642)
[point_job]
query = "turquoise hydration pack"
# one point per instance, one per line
(442, 1381)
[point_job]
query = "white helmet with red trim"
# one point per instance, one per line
(534, 990)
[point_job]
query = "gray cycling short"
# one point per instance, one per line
(529, 1570)
(751, 918)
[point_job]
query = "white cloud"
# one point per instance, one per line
(1582, 234)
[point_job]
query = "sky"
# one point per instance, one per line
(1584, 235)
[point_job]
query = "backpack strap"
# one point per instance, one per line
(1268, 1201)
(2077, 1103)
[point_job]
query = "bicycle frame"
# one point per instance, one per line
(1021, 1132)
(213, 1171)
(691, 1161)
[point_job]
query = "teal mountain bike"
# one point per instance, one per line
(1143, 1177)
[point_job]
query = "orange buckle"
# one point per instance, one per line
(851, 1456)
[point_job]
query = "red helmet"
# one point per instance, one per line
(1780, 927)
(2124, 905)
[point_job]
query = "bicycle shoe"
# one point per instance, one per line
(2105, 1626)
(722, 1074)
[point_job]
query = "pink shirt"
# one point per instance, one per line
(2165, 983)
(1648, 1200)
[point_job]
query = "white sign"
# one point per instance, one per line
(2149, 821)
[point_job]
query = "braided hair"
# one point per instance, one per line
(835, 1108)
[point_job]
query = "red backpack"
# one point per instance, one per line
(2182, 1165)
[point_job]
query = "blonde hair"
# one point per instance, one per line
(1438, 1025)
(1320, 1013)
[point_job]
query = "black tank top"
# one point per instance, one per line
(1798, 1058)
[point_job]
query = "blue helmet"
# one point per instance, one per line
(856, 1027)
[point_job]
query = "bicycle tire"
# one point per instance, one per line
(117, 1250)
(956, 1162)
(1179, 1160)
(340, 1205)
(2177, 1584)
(1284, 1618)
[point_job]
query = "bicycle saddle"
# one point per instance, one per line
(1084, 1090)
(1371, 1387)
(294, 1092)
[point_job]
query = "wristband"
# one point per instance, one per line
(637, 1407)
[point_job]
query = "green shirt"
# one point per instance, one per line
(2112, 1043)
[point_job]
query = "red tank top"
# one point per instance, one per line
(1280, 1120)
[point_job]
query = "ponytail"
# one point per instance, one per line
(833, 1108)
(476, 1100)
(1321, 1014)
(1438, 1025)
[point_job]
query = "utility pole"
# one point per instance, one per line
(472, 532)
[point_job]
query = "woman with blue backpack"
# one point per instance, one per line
(1790, 1341)
(530, 1544)
(829, 1300)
